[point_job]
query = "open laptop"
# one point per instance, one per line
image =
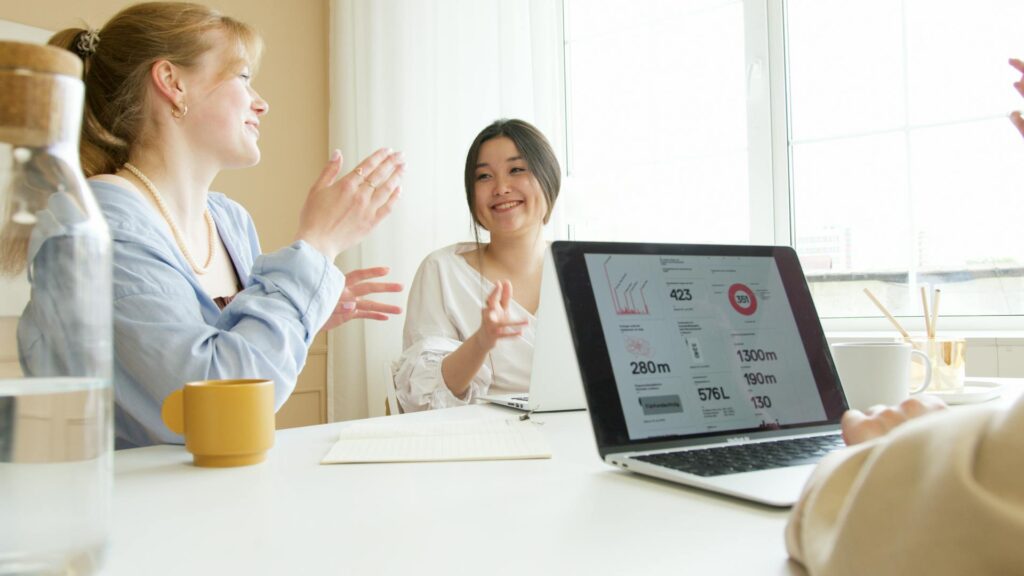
(555, 378)
(704, 365)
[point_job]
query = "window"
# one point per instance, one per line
(897, 167)
(657, 120)
(904, 166)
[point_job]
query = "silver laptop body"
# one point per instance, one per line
(702, 365)
(779, 487)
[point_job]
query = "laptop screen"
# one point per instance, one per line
(696, 340)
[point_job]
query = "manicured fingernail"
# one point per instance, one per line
(349, 306)
(335, 155)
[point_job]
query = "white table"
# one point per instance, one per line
(291, 515)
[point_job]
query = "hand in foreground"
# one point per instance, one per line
(351, 305)
(496, 319)
(1015, 116)
(339, 212)
(880, 420)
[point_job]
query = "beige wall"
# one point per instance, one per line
(293, 78)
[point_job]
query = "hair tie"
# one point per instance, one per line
(87, 42)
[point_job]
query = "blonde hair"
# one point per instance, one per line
(117, 61)
(117, 66)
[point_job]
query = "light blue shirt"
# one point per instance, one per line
(168, 331)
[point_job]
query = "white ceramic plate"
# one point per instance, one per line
(974, 391)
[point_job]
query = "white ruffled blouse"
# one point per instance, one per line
(444, 308)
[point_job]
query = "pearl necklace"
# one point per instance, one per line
(169, 218)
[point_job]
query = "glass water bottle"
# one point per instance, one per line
(56, 354)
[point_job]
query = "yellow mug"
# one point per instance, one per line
(225, 422)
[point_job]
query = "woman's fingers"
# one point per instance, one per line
(1018, 121)
(498, 322)
(364, 169)
(339, 212)
(384, 192)
(330, 171)
(371, 306)
(512, 323)
(384, 210)
(880, 420)
(386, 175)
(361, 315)
(889, 417)
(363, 288)
(380, 175)
(357, 276)
(506, 295)
(851, 422)
(492, 301)
(508, 328)
(859, 427)
(1015, 117)
(916, 406)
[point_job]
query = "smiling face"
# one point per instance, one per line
(223, 108)
(507, 195)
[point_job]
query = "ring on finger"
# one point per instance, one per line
(370, 184)
(359, 171)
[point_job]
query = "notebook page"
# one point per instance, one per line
(388, 441)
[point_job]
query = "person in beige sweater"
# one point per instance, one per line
(941, 494)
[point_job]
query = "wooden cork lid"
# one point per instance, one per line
(41, 94)
(37, 58)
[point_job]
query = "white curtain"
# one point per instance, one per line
(424, 77)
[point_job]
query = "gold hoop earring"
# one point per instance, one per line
(180, 110)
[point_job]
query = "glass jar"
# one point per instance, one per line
(56, 429)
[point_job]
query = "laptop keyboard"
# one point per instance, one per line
(733, 459)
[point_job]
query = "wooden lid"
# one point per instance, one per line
(41, 95)
(43, 59)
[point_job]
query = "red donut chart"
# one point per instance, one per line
(742, 299)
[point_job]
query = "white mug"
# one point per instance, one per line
(875, 373)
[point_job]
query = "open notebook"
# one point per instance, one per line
(408, 440)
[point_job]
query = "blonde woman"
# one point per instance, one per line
(466, 332)
(169, 105)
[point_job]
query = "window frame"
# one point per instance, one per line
(770, 165)
(783, 196)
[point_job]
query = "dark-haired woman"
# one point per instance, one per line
(470, 320)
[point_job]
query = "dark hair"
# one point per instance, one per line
(535, 150)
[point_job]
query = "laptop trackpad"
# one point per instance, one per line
(777, 487)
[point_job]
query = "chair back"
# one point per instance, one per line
(391, 403)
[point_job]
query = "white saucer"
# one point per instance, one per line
(974, 391)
